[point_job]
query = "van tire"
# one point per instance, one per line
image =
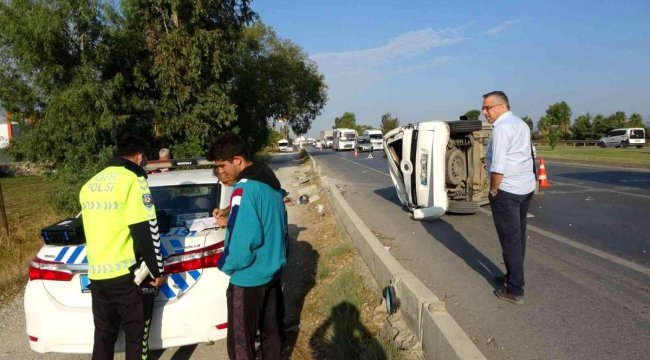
(625, 144)
(639, 146)
(462, 207)
(464, 126)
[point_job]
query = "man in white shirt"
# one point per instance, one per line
(512, 182)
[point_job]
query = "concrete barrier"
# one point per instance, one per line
(422, 310)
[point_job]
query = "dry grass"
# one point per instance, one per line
(337, 320)
(27, 209)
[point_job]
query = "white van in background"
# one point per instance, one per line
(283, 145)
(344, 139)
(624, 138)
(375, 137)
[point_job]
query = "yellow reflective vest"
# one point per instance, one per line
(112, 200)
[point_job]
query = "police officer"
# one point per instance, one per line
(121, 230)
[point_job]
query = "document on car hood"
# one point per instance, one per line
(201, 224)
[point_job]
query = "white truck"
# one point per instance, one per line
(327, 138)
(375, 137)
(439, 166)
(344, 139)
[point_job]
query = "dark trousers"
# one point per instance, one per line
(509, 212)
(251, 309)
(117, 302)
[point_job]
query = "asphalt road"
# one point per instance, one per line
(588, 281)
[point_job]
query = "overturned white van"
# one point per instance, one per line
(439, 166)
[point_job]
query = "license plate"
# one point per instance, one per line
(84, 283)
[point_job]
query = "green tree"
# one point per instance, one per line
(616, 120)
(275, 79)
(361, 128)
(473, 114)
(78, 74)
(600, 125)
(553, 136)
(543, 125)
(388, 123)
(582, 128)
(636, 120)
(559, 114)
(347, 121)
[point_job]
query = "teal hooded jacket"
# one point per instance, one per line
(255, 245)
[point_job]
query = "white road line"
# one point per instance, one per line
(367, 167)
(559, 238)
(591, 188)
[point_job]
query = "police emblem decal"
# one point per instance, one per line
(147, 200)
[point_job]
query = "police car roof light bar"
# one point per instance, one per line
(174, 163)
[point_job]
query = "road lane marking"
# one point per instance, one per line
(367, 167)
(591, 188)
(559, 238)
(566, 241)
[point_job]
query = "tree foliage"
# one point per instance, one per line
(275, 80)
(78, 74)
(582, 128)
(388, 123)
(346, 121)
(636, 120)
(558, 114)
(473, 114)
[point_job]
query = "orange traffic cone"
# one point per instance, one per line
(543, 182)
(356, 152)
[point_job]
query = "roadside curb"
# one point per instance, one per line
(423, 312)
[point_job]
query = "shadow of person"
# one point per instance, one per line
(342, 336)
(182, 353)
(447, 235)
(298, 278)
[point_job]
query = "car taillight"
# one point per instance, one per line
(198, 259)
(48, 270)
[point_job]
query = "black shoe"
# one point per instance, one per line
(501, 279)
(506, 295)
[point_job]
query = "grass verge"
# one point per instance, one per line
(28, 211)
(338, 319)
(613, 156)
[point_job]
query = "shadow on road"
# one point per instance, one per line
(298, 278)
(458, 244)
(182, 353)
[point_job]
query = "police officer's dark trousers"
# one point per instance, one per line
(509, 212)
(117, 302)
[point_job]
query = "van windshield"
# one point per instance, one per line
(376, 136)
(348, 137)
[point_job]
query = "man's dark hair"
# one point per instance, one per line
(499, 95)
(129, 145)
(227, 146)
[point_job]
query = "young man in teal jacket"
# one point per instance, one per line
(254, 252)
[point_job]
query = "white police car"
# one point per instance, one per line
(190, 308)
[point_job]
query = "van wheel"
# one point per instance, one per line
(456, 170)
(462, 207)
(624, 144)
(639, 146)
(464, 126)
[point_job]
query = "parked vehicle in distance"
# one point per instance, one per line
(623, 138)
(344, 139)
(364, 145)
(439, 166)
(375, 137)
(191, 306)
(283, 146)
(327, 138)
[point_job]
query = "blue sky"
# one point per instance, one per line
(432, 60)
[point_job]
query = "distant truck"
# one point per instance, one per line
(344, 139)
(327, 138)
(375, 137)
